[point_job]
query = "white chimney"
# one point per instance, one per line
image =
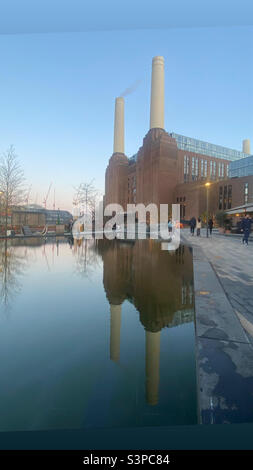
(246, 146)
(115, 332)
(152, 366)
(118, 146)
(157, 93)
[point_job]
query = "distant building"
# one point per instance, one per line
(35, 216)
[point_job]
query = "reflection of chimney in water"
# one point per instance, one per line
(152, 367)
(115, 332)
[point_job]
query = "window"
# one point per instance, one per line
(193, 168)
(225, 193)
(205, 169)
(202, 168)
(229, 196)
(196, 167)
(220, 197)
(186, 168)
(214, 170)
(182, 211)
(246, 193)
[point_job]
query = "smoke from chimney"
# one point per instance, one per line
(131, 89)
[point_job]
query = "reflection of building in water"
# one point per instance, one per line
(159, 286)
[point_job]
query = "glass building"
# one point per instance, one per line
(52, 216)
(242, 167)
(205, 148)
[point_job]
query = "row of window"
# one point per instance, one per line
(199, 168)
(180, 199)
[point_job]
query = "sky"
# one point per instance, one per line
(57, 89)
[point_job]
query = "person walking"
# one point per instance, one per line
(210, 225)
(198, 226)
(192, 225)
(170, 226)
(246, 227)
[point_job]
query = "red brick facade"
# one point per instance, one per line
(162, 174)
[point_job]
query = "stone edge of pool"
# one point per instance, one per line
(224, 353)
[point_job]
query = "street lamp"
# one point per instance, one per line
(207, 203)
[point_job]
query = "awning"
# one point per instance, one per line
(240, 209)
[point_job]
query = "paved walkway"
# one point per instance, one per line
(233, 263)
(223, 281)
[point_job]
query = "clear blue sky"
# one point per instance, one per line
(57, 94)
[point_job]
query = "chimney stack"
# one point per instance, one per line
(246, 146)
(157, 93)
(118, 146)
(115, 332)
(152, 367)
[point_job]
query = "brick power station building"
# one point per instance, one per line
(170, 168)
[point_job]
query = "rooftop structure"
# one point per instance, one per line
(205, 148)
(242, 167)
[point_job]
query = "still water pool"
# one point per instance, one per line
(95, 334)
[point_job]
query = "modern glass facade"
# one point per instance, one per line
(242, 167)
(205, 148)
(52, 216)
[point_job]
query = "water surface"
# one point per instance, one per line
(95, 334)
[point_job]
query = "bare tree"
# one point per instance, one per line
(87, 259)
(11, 182)
(13, 264)
(86, 196)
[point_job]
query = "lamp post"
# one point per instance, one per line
(207, 205)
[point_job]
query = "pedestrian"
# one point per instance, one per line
(210, 225)
(170, 226)
(192, 225)
(246, 227)
(198, 226)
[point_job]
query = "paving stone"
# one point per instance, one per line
(225, 381)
